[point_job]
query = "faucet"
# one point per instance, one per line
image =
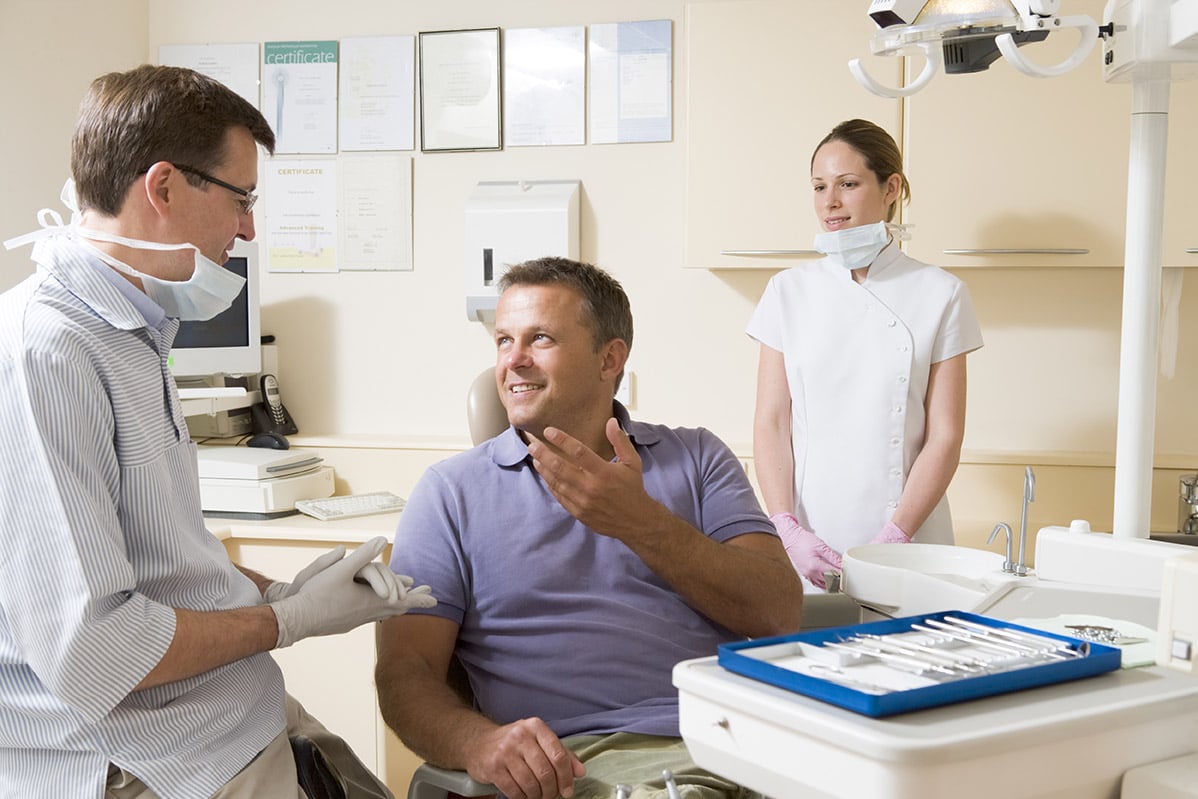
(1008, 565)
(1017, 567)
(1029, 495)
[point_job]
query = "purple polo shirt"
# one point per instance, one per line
(557, 621)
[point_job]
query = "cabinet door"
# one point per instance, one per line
(999, 161)
(766, 81)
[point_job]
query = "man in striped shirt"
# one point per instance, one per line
(133, 653)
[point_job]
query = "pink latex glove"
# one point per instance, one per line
(891, 534)
(809, 554)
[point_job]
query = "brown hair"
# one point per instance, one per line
(129, 121)
(877, 147)
(605, 306)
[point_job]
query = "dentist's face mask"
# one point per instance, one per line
(855, 247)
(210, 290)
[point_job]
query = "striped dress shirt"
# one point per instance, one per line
(102, 536)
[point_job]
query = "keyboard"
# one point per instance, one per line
(330, 509)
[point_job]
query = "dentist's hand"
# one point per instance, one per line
(891, 534)
(808, 552)
(281, 590)
(350, 592)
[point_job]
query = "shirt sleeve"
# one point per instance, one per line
(960, 331)
(729, 505)
(68, 594)
(428, 546)
(766, 323)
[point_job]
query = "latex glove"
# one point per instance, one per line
(351, 592)
(808, 552)
(281, 590)
(891, 534)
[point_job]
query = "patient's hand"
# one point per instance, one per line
(607, 496)
(525, 760)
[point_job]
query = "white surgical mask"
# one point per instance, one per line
(855, 247)
(210, 290)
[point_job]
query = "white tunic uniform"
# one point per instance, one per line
(857, 362)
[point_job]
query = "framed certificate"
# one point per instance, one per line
(460, 90)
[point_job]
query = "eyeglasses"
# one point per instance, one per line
(248, 198)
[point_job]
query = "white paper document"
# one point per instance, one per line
(235, 65)
(378, 93)
(544, 79)
(459, 90)
(376, 212)
(301, 215)
(630, 65)
(299, 95)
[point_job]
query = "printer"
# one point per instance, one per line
(259, 483)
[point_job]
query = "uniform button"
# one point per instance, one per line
(896, 472)
(892, 505)
(891, 323)
(902, 378)
(894, 442)
(898, 408)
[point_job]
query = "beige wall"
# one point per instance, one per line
(385, 357)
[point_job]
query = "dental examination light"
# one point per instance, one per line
(968, 36)
(1148, 43)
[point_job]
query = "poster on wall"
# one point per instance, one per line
(544, 86)
(630, 67)
(299, 95)
(235, 65)
(378, 93)
(460, 90)
(301, 215)
(376, 212)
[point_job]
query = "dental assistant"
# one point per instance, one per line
(860, 408)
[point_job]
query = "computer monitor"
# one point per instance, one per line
(230, 343)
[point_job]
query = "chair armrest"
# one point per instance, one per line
(434, 782)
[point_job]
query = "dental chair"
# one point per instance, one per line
(488, 418)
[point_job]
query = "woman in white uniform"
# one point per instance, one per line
(861, 384)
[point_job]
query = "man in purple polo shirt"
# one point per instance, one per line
(575, 559)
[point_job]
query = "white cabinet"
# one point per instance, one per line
(1008, 170)
(766, 81)
(1180, 246)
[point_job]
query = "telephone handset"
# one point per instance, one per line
(271, 415)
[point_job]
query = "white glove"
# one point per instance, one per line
(348, 593)
(280, 590)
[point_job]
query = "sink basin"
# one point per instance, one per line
(914, 579)
(908, 579)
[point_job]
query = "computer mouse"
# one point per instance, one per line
(269, 440)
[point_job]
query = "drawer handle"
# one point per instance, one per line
(769, 252)
(1192, 250)
(1020, 251)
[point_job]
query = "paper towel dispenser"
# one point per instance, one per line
(508, 222)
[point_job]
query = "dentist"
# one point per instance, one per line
(133, 654)
(861, 380)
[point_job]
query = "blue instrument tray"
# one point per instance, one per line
(763, 660)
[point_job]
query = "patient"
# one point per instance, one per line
(576, 558)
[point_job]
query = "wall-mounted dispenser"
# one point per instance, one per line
(508, 222)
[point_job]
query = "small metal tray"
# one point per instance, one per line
(806, 664)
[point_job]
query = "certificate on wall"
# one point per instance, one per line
(378, 93)
(376, 212)
(630, 75)
(299, 95)
(301, 215)
(544, 80)
(235, 65)
(460, 90)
